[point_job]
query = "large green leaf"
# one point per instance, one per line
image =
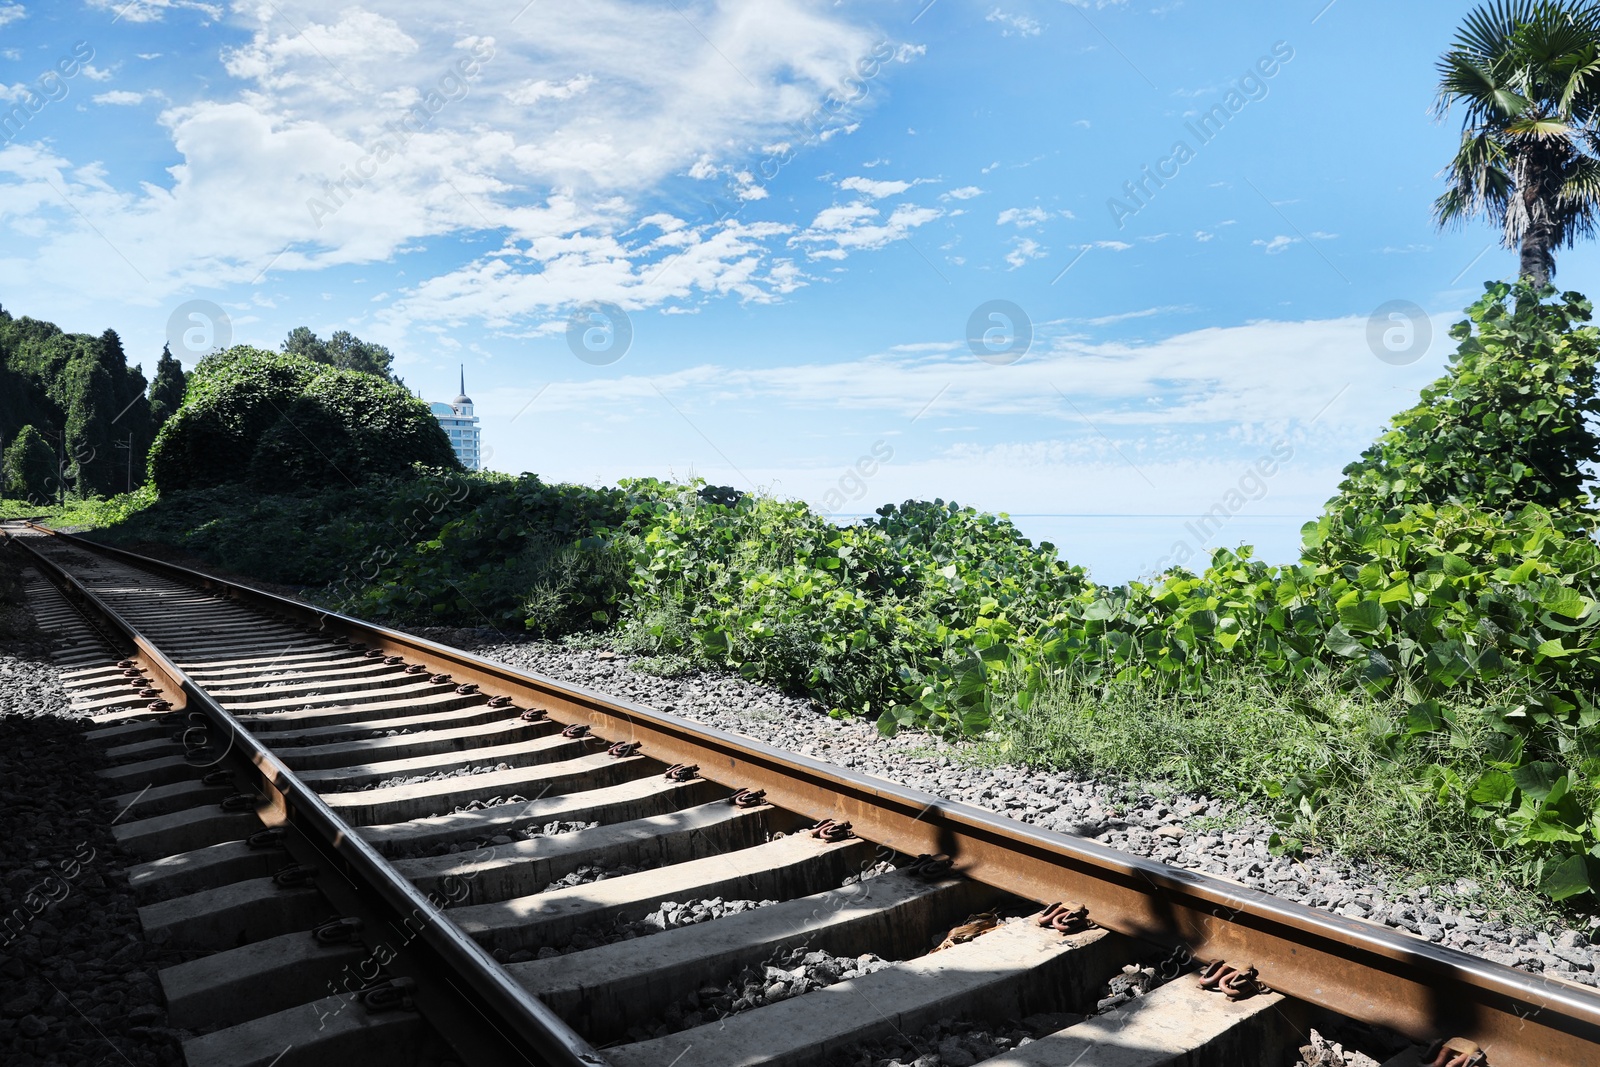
(1366, 616)
(1341, 643)
(1494, 788)
(1566, 879)
(1537, 780)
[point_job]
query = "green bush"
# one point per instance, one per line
(531, 556)
(348, 426)
(284, 421)
(29, 467)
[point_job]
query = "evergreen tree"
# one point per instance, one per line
(166, 392)
(343, 350)
(302, 342)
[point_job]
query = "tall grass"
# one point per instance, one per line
(1323, 765)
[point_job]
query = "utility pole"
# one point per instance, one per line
(129, 447)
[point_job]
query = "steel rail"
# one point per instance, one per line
(1353, 967)
(530, 1028)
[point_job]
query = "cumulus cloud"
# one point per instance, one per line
(844, 228)
(119, 98)
(1277, 245)
(568, 127)
(1023, 250)
(1014, 25)
(875, 190)
(534, 91)
(1022, 217)
(156, 10)
(11, 13)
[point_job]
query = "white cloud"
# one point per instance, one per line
(11, 13)
(95, 74)
(156, 10)
(534, 91)
(1232, 380)
(1126, 316)
(1022, 250)
(1202, 236)
(628, 95)
(965, 192)
(1022, 217)
(1280, 243)
(1014, 25)
(119, 97)
(845, 228)
(875, 190)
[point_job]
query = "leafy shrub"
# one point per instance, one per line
(528, 555)
(308, 422)
(351, 426)
(1508, 426)
(29, 467)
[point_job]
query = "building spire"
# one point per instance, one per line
(463, 379)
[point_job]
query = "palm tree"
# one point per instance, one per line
(1527, 73)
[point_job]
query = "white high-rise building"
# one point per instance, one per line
(461, 426)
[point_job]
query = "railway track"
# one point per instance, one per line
(378, 848)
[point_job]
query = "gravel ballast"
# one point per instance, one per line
(1195, 832)
(77, 980)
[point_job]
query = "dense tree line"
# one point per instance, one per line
(74, 416)
(343, 351)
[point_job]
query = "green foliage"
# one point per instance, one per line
(233, 398)
(352, 426)
(1522, 72)
(80, 394)
(285, 421)
(536, 557)
(166, 391)
(84, 513)
(29, 467)
(1508, 426)
(1320, 757)
(343, 350)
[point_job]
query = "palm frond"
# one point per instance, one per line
(1527, 75)
(1579, 92)
(1465, 80)
(1487, 31)
(1580, 187)
(1542, 129)
(1480, 181)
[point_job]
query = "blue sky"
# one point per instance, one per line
(805, 214)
